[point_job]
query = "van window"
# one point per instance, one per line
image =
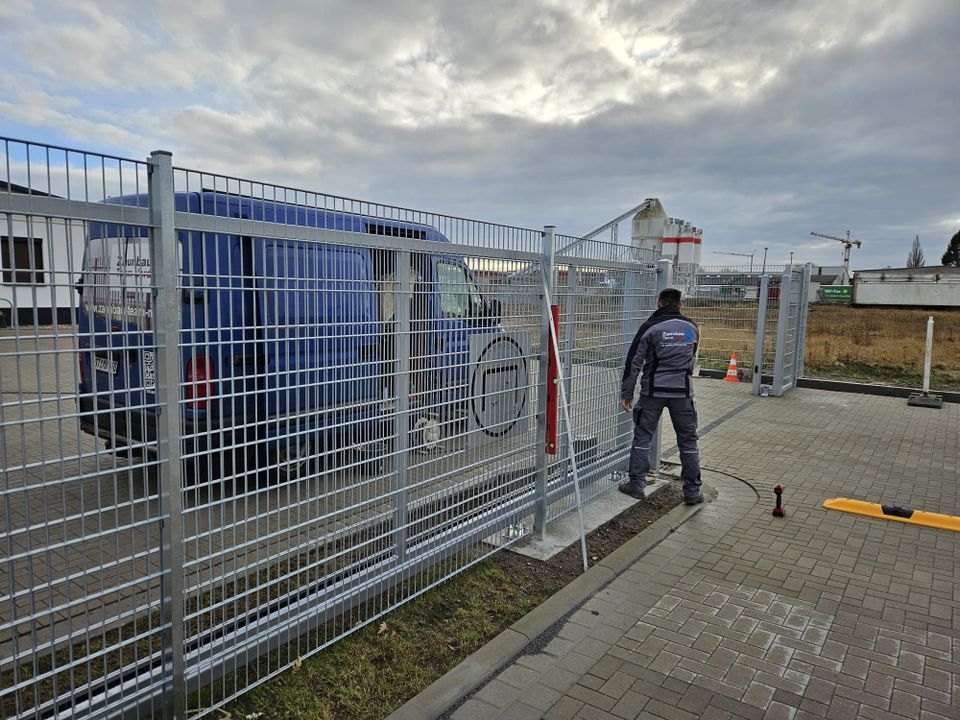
(459, 296)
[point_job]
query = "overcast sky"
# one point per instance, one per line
(758, 121)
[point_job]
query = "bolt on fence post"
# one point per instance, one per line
(761, 330)
(165, 264)
(664, 280)
(546, 270)
(401, 387)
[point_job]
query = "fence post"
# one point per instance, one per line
(165, 264)
(761, 330)
(401, 387)
(664, 280)
(804, 311)
(782, 319)
(573, 298)
(569, 322)
(632, 287)
(546, 269)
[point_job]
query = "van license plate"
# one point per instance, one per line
(105, 365)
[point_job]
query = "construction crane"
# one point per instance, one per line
(749, 255)
(848, 242)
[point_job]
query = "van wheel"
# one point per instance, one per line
(294, 458)
(426, 434)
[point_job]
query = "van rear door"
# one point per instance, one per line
(116, 311)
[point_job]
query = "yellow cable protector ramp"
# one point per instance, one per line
(894, 512)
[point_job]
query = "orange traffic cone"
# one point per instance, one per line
(732, 370)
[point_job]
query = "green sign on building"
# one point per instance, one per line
(836, 293)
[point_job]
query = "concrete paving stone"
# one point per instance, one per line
(720, 687)
(521, 710)
(558, 647)
(688, 652)
(742, 648)
(762, 665)
(542, 697)
(591, 681)
(573, 632)
(714, 713)
(842, 708)
(695, 699)
(539, 662)
(608, 634)
(863, 697)
(560, 678)
(660, 709)
(816, 660)
(706, 642)
(566, 708)
(779, 711)
(781, 683)
(759, 695)
(926, 651)
(617, 685)
(921, 691)
(519, 676)
(664, 662)
(655, 690)
(630, 705)
(591, 697)
(736, 708)
(932, 706)
(498, 693)
(588, 712)
(701, 670)
(476, 710)
(606, 666)
(578, 662)
(593, 647)
(905, 704)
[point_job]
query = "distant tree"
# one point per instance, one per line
(952, 255)
(915, 258)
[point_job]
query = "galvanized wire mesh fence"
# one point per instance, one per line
(724, 302)
(267, 417)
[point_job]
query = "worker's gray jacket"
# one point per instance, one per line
(664, 349)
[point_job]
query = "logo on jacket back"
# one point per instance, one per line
(679, 337)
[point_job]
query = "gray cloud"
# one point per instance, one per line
(758, 121)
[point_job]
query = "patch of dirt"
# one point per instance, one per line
(568, 564)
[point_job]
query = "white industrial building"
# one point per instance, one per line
(653, 234)
(40, 261)
(937, 286)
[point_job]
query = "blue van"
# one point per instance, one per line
(281, 339)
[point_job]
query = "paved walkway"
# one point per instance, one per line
(742, 615)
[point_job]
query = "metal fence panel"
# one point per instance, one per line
(257, 424)
(81, 630)
(724, 302)
(604, 291)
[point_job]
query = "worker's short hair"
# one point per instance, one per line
(670, 296)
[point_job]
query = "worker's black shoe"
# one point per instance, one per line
(631, 490)
(693, 501)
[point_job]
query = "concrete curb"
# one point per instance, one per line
(470, 674)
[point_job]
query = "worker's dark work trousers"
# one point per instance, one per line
(683, 415)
